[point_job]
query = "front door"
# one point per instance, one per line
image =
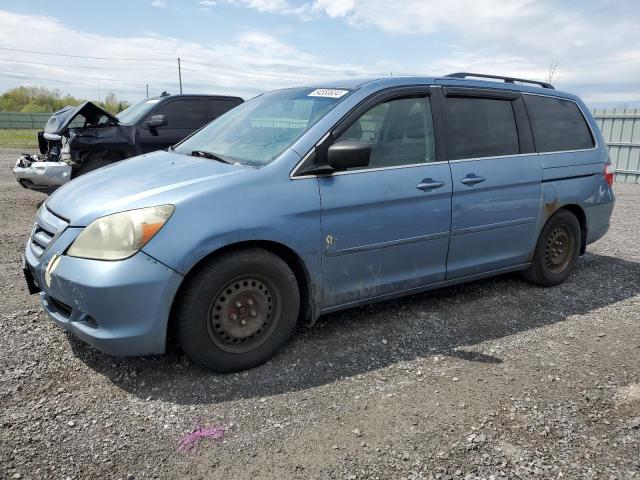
(184, 116)
(386, 227)
(496, 181)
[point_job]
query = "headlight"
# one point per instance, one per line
(119, 236)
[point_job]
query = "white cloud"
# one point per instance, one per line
(271, 6)
(159, 3)
(597, 47)
(595, 42)
(207, 4)
(333, 8)
(254, 62)
(267, 5)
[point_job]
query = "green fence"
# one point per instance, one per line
(19, 120)
(23, 120)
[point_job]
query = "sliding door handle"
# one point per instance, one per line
(472, 179)
(429, 184)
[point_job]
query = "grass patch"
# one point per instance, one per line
(16, 138)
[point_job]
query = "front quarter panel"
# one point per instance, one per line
(264, 206)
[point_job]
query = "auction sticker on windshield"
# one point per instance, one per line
(328, 92)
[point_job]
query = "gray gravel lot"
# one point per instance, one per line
(493, 379)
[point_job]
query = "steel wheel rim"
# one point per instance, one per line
(558, 249)
(243, 314)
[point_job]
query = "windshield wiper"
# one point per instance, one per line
(212, 156)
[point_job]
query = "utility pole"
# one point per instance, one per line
(147, 90)
(179, 74)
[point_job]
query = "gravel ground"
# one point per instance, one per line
(493, 379)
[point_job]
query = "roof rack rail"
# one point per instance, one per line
(500, 77)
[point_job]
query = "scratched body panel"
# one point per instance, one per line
(384, 234)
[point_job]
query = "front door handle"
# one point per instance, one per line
(472, 179)
(429, 184)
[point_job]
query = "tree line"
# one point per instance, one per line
(40, 99)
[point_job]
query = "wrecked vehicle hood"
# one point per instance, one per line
(60, 120)
(153, 179)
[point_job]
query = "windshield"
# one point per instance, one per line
(256, 132)
(131, 115)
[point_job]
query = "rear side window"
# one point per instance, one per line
(191, 113)
(218, 107)
(481, 127)
(557, 124)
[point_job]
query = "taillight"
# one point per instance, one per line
(608, 173)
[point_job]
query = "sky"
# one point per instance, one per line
(244, 47)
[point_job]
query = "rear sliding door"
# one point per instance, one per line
(496, 177)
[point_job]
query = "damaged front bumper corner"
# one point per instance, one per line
(33, 173)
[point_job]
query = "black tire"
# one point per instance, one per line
(556, 252)
(238, 310)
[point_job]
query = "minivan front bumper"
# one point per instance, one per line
(120, 307)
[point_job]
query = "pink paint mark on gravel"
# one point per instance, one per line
(189, 441)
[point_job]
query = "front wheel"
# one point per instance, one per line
(557, 250)
(238, 310)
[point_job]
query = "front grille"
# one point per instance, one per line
(40, 239)
(46, 229)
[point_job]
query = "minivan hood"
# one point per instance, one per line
(153, 179)
(60, 120)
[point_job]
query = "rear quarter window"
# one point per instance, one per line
(184, 113)
(220, 106)
(557, 124)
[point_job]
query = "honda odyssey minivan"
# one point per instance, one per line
(311, 200)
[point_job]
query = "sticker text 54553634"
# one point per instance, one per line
(328, 92)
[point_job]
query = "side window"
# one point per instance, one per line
(481, 127)
(219, 106)
(400, 132)
(184, 113)
(557, 124)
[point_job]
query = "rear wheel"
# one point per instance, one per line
(557, 250)
(238, 310)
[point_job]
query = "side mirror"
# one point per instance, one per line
(348, 154)
(155, 121)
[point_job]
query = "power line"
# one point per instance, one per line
(84, 56)
(58, 65)
(307, 70)
(195, 62)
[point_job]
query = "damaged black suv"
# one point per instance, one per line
(79, 139)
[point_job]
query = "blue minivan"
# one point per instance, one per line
(306, 201)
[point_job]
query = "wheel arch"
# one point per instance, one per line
(308, 294)
(579, 213)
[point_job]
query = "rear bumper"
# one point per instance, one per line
(121, 308)
(598, 220)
